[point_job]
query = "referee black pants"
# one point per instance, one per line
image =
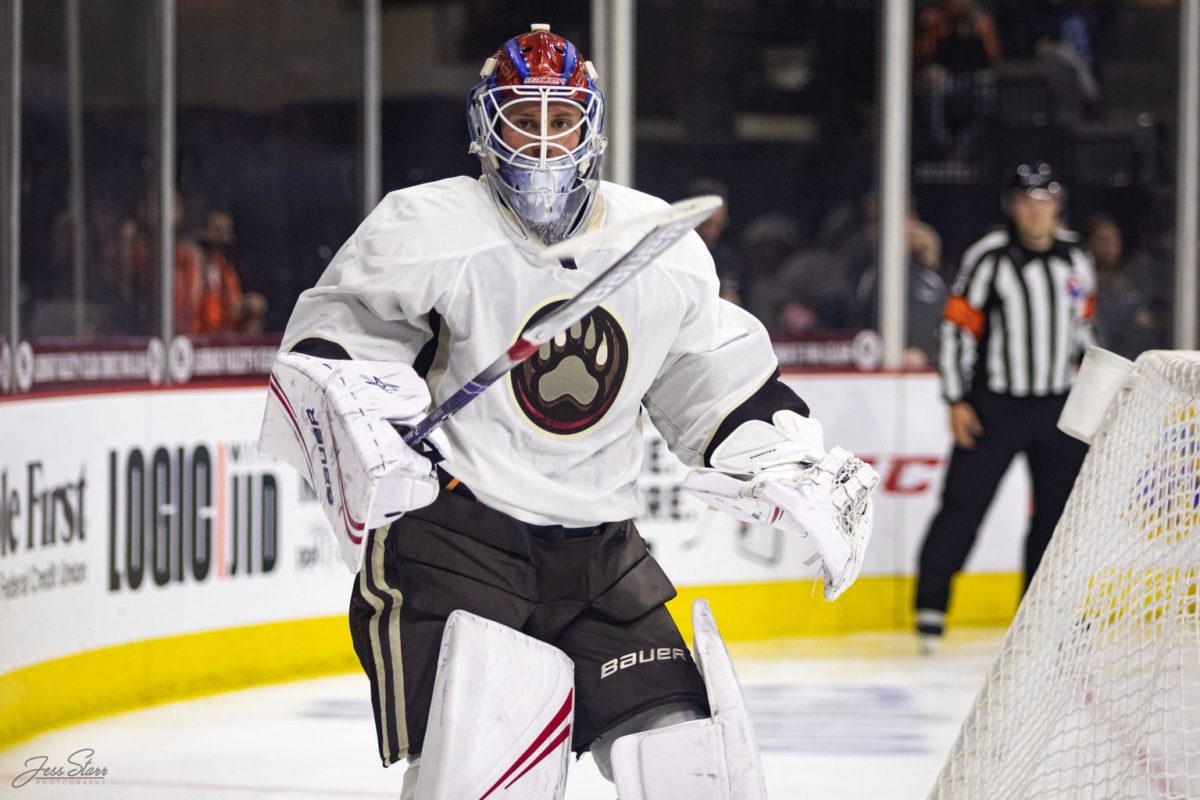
(1011, 425)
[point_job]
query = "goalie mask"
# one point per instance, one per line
(537, 120)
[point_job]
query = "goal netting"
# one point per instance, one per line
(1096, 691)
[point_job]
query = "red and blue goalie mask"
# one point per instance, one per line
(537, 119)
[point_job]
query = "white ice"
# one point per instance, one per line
(861, 716)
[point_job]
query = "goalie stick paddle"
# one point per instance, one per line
(666, 228)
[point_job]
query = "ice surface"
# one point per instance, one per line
(862, 716)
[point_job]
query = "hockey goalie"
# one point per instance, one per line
(505, 608)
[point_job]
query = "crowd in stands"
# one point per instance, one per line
(800, 284)
(995, 82)
(121, 276)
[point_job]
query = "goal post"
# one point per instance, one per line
(1096, 691)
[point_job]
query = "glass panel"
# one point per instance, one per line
(777, 103)
(1089, 88)
(269, 156)
(7, 41)
(89, 126)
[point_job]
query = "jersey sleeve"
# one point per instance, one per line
(721, 371)
(1084, 333)
(374, 304)
(964, 320)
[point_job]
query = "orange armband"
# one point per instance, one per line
(964, 315)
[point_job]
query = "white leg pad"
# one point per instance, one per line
(501, 717)
(710, 759)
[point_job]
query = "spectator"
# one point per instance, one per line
(712, 231)
(208, 292)
(768, 242)
(926, 291)
(111, 289)
(1058, 31)
(813, 291)
(1126, 321)
(136, 272)
(956, 53)
(1007, 357)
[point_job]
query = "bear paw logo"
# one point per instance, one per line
(571, 382)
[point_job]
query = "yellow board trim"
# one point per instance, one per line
(96, 683)
(759, 611)
(99, 682)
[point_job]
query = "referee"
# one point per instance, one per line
(1017, 321)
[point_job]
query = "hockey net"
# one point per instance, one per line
(1096, 691)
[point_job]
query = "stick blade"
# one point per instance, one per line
(694, 209)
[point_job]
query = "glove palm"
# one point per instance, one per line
(779, 475)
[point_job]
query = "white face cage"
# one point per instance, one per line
(546, 174)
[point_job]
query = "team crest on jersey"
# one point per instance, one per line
(569, 384)
(1075, 287)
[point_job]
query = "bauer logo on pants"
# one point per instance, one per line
(569, 384)
(642, 657)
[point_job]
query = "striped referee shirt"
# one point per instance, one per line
(1017, 321)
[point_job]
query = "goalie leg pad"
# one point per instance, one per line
(708, 759)
(500, 722)
(664, 716)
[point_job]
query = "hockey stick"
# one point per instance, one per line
(666, 228)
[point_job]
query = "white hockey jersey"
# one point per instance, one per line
(559, 439)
